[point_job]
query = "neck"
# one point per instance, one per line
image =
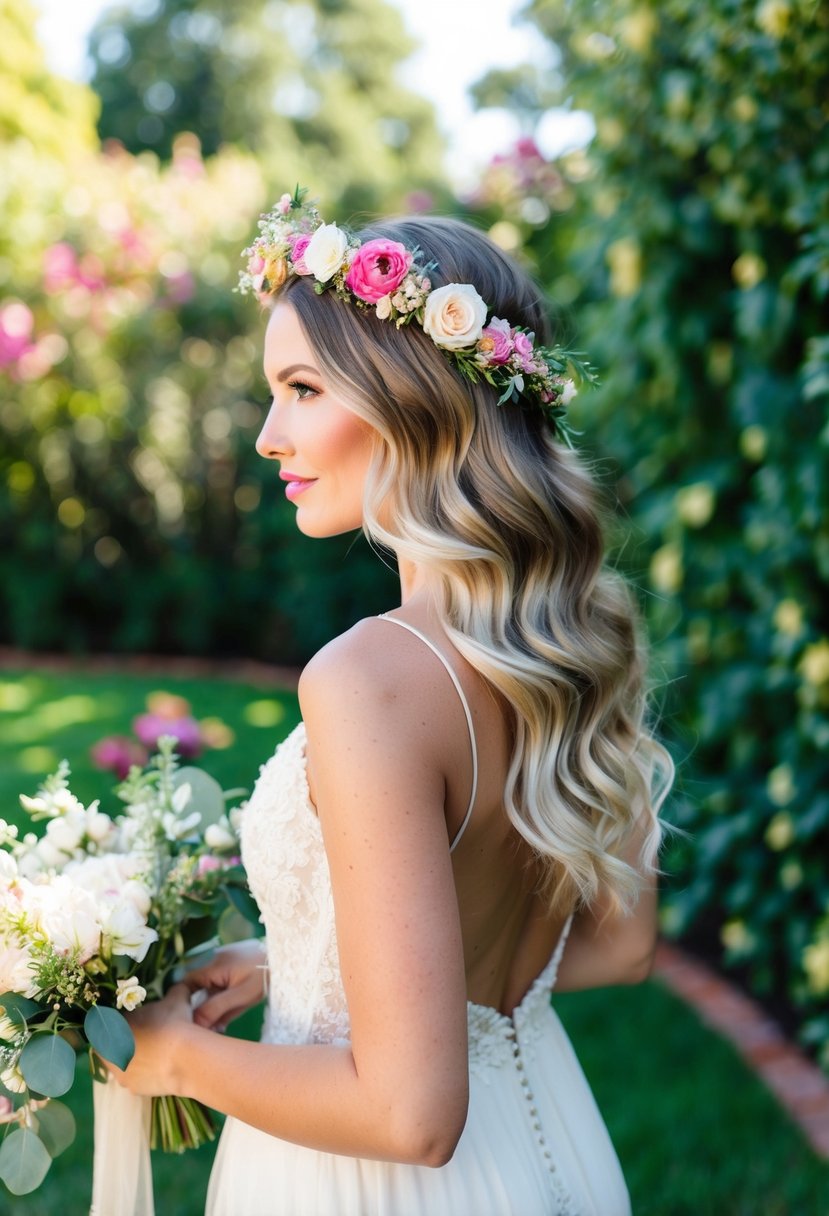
(412, 579)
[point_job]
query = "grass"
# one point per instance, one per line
(695, 1130)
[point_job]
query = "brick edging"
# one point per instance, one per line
(799, 1085)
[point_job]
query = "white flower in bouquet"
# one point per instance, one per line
(69, 917)
(129, 994)
(125, 931)
(16, 974)
(13, 1080)
(220, 836)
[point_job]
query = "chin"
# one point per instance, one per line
(320, 528)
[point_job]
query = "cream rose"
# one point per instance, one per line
(325, 252)
(454, 316)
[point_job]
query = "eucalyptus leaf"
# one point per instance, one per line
(18, 1008)
(47, 1063)
(109, 1033)
(233, 926)
(24, 1161)
(206, 795)
(244, 902)
(55, 1126)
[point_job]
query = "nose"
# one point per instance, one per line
(273, 443)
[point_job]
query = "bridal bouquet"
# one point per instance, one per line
(95, 916)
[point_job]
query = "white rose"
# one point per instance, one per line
(126, 932)
(129, 994)
(454, 316)
(325, 252)
(383, 308)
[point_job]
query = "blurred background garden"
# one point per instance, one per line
(663, 168)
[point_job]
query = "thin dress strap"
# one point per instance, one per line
(411, 628)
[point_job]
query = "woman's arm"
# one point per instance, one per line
(606, 947)
(399, 1092)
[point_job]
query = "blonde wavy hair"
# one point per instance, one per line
(506, 523)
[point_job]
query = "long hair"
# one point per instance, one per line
(506, 524)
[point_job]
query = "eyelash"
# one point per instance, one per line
(300, 384)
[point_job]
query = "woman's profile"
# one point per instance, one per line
(468, 813)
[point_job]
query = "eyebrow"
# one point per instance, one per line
(295, 367)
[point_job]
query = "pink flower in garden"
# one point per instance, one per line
(298, 246)
(16, 325)
(150, 727)
(60, 267)
(499, 335)
(117, 754)
(419, 201)
(377, 269)
(180, 287)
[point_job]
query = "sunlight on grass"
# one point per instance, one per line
(37, 760)
(51, 716)
(264, 713)
(14, 697)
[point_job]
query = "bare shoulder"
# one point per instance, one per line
(365, 673)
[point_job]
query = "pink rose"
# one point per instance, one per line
(523, 345)
(377, 269)
(298, 246)
(498, 332)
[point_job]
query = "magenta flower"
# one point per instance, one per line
(150, 727)
(496, 341)
(116, 754)
(377, 269)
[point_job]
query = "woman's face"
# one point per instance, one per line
(323, 448)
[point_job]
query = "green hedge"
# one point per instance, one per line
(692, 239)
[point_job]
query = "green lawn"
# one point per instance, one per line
(696, 1132)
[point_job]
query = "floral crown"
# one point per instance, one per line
(390, 279)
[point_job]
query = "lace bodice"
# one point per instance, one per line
(283, 853)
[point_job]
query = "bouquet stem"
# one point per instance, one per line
(177, 1124)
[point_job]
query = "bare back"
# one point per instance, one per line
(507, 935)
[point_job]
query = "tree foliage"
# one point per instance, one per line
(54, 115)
(306, 85)
(693, 241)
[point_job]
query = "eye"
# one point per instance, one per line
(303, 390)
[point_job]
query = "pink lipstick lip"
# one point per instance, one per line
(296, 485)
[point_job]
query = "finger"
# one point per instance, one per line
(221, 1008)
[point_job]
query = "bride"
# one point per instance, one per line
(468, 812)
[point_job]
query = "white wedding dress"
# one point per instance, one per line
(534, 1143)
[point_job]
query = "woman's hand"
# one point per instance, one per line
(157, 1029)
(235, 980)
